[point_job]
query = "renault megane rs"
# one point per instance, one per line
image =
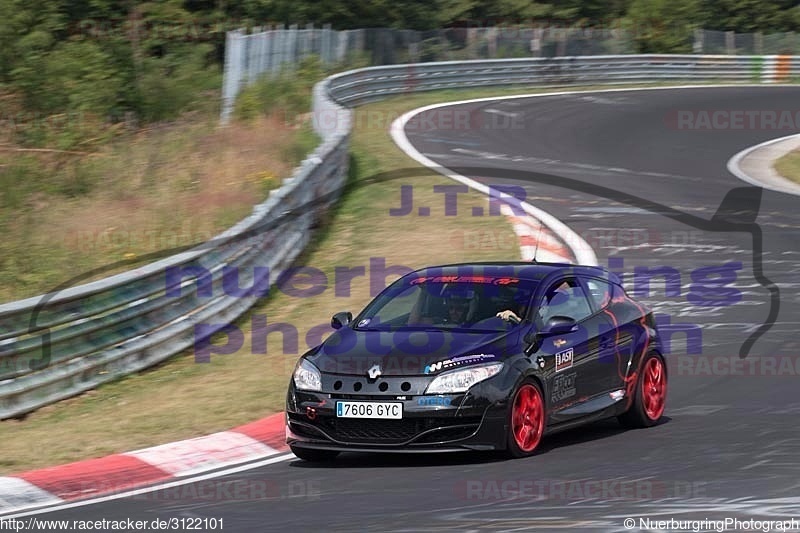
(478, 356)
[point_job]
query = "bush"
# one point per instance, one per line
(289, 92)
(81, 78)
(77, 75)
(176, 82)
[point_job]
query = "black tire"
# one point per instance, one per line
(313, 455)
(515, 446)
(643, 412)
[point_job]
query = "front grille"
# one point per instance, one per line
(366, 430)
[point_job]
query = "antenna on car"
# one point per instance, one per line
(538, 236)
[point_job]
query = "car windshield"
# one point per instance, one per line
(475, 303)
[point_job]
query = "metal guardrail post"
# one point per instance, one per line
(233, 73)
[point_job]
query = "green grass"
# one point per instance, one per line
(788, 166)
(170, 185)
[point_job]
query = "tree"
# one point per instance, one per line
(746, 16)
(663, 26)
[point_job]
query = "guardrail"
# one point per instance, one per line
(63, 343)
(365, 85)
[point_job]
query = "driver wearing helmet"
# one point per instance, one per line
(457, 309)
(450, 304)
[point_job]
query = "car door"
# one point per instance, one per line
(568, 360)
(615, 340)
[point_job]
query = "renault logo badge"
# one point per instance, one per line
(374, 372)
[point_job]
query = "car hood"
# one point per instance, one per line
(409, 352)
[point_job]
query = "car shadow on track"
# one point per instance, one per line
(595, 431)
(588, 433)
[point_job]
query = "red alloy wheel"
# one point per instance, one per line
(527, 418)
(654, 388)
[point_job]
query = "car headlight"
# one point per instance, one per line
(461, 380)
(307, 376)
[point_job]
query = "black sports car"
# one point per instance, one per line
(479, 356)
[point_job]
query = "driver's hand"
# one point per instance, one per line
(509, 316)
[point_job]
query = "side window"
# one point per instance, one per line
(565, 298)
(619, 294)
(600, 292)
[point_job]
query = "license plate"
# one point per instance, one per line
(385, 410)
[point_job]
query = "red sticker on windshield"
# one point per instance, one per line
(464, 279)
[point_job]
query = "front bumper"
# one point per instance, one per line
(465, 421)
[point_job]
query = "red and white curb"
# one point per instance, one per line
(536, 241)
(756, 164)
(159, 464)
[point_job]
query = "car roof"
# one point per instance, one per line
(527, 270)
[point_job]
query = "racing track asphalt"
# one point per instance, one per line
(729, 445)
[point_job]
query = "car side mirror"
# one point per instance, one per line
(341, 319)
(558, 325)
